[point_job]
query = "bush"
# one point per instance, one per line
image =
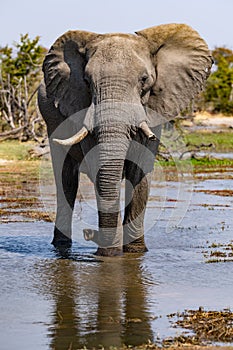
(20, 75)
(218, 95)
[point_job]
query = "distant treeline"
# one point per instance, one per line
(218, 95)
(20, 75)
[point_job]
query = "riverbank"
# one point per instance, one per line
(18, 167)
(20, 172)
(220, 140)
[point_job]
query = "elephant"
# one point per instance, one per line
(104, 98)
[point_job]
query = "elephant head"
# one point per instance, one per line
(129, 83)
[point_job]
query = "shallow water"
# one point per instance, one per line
(54, 302)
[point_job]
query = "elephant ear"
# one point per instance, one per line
(63, 69)
(182, 63)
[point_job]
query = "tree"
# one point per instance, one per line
(219, 90)
(20, 75)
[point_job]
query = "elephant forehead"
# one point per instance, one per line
(125, 47)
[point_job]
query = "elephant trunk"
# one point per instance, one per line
(113, 137)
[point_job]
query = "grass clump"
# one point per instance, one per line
(15, 150)
(205, 326)
(221, 141)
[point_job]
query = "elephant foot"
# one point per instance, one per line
(93, 235)
(137, 246)
(60, 240)
(113, 251)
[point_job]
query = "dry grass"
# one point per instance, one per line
(204, 327)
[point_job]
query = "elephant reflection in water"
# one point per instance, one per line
(97, 303)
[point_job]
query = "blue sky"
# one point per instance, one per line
(213, 19)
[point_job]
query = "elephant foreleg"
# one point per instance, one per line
(136, 196)
(97, 237)
(66, 178)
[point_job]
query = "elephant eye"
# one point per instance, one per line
(144, 84)
(144, 78)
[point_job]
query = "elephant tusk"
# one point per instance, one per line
(147, 131)
(78, 137)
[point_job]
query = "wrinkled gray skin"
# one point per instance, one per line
(110, 84)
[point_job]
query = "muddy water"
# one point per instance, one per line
(49, 301)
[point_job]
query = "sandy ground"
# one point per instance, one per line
(5, 161)
(218, 120)
(205, 119)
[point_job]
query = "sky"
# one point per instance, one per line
(213, 19)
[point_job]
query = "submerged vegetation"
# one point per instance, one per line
(219, 252)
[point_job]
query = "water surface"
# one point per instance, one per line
(49, 301)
